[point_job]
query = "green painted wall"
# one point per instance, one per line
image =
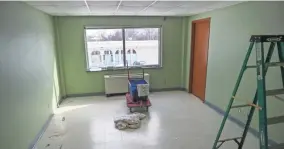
(71, 48)
(230, 31)
(28, 87)
(185, 41)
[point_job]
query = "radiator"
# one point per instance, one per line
(118, 83)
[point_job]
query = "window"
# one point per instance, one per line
(119, 47)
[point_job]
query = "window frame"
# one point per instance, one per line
(89, 69)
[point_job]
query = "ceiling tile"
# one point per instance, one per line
(158, 9)
(203, 4)
(169, 3)
(136, 3)
(197, 4)
(101, 13)
(56, 3)
(129, 9)
(150, 14)
(102, 8)
(103, 3)
(180, 11)
(64, 9)
(126, 8)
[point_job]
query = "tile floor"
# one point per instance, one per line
(177, 120)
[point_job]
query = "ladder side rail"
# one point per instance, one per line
(233, 94)
(281, 59)
(261, 95)
(252, 109)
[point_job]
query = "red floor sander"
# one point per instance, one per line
(138, 91)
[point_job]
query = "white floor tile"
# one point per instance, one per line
(177, 120)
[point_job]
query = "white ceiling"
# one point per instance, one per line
(128, 8)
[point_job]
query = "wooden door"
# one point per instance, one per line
(199, 51)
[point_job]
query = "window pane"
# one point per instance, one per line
(104, 48)
(142, 46)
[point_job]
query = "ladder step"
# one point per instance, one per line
(275, 120)
(274, 64)
(230, 139)
(240, 106)
(251, 66)
(278, 146)
(271, 64)
(274, 92)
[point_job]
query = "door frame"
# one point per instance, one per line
(193, 23)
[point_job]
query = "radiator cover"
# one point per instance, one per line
(118, 83)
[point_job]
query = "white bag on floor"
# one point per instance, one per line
(121, 125)
(134, 126)
(129, 121)
(141, 116)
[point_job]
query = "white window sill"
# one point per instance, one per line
(123, 68)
